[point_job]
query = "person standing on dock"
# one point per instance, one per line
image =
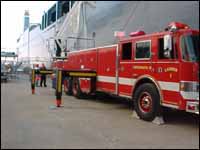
(43, 76)
(37, 76)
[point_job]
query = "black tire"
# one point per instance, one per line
(147, 102)
(68, 86)
(76, 90)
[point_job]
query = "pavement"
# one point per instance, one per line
(32, 121)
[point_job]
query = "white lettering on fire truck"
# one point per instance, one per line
(141, 67)
(171, 69)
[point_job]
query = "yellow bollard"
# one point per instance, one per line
(58, 87)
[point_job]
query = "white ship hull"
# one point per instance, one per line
(104, 19)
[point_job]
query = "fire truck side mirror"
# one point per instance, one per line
(167, 46)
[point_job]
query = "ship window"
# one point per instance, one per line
(53, 16)
(126, 51)
(65, 8)
(72, 3)
(142, 50)
(45, 23)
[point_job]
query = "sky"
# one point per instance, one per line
(12, 19)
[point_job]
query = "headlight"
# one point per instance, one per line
(189, 86)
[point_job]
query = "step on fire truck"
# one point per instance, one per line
(154, 70)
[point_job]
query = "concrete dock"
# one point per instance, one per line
(30, 121)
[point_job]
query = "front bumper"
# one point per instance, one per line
(192, 107)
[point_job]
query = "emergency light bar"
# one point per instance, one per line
(176, 25)
(137, 33)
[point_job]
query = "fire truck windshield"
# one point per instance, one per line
(190, 47)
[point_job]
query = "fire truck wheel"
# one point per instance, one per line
(68, 86)
(76, 90)
(147, 102)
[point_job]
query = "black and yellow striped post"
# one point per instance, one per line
(58, 87)
(45, 71)
(33, 81)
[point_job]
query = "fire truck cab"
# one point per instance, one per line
(162, 66)
(153, 70)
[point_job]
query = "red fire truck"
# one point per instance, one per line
(153, 70)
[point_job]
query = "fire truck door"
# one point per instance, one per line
(166, 69)
(107, 69)
(125, 69)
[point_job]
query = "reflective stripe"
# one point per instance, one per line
(190, 95)
(82, 74)
(44, 71)
(170, 86)
(106, 79)
(127, 96)
(169, 105)
(127, 81)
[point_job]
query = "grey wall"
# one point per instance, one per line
(149, 16)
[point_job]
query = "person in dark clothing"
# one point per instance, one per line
(43, 76)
